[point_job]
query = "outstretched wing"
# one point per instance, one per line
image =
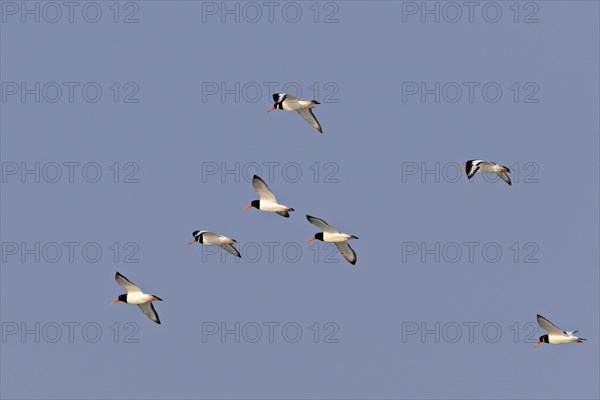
(289, 97)
(308, 115)
(231, 250)
(321, 224)
(549, 326)
(347, 252)
(211, 238)
(263, 190)
(148, 309)
(505, 177)
(126, 283)
(471, 167)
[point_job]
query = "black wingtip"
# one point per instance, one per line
(308, 217)
(291, 209)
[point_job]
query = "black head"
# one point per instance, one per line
(319, 236)
(543, 339)
(279, 98)
(123, 298)
(197, 237)
(253, 203)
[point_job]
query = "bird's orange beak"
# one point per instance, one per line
(271, 109)
(311, 239)
(537, 344)
(192, 242)
(153, 299)
(463, 167)
(248, 206)
(115, 301)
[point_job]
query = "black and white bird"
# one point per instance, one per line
(136, 296)
(555, 334)
(472, 166)
(267, 201)
(214, 239)
(287, 102)
(333, 236)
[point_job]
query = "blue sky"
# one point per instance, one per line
(170, 110)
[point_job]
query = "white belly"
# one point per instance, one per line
(561, 339)
(273, 207)
(296, 105)
(335, 237)
(138, 298)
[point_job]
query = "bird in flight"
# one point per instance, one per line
(331, 235)
(267, 201)
(214, 239)
(136, 296)
(287, 102)
(472, 166)
(555, 334)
